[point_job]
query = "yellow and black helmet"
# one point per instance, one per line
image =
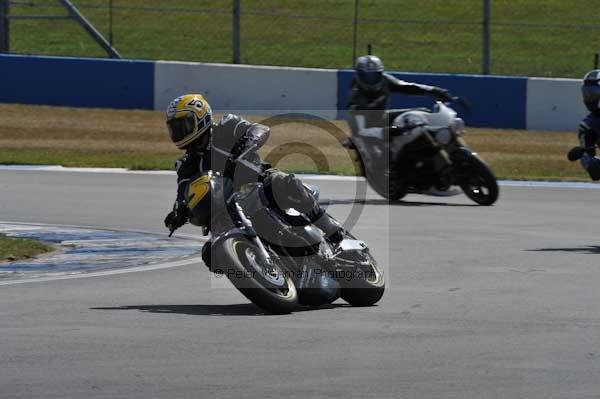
(189, 117)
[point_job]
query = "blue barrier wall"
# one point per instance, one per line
(77, 82)
(496, 101)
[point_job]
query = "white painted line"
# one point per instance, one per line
(83, 274)
(117, 229)
(58, 168)
(330, 177)
(159, 266)
(505, 183)
(549, 184)
(63, 169)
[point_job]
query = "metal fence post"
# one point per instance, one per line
(97, 36)
(236, 31)
(4, 27)
(110, 23)
(486, 37)
(355, 38)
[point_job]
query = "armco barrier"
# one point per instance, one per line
(554, 104)
(76, 82)
(239, 88)
(496, 101)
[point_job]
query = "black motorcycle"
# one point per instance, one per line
(277, 258)
(426, 150)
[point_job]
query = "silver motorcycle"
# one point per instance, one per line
(424, 149)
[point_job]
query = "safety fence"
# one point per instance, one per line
(527, 38)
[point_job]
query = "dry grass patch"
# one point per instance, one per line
(139, 140)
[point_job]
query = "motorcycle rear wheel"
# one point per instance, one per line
(479, 183)
(388, 186)
(268, 287)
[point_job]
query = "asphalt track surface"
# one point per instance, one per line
(497, 302)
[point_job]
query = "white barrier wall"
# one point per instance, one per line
(554, 104)
(240, 88)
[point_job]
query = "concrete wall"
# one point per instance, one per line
(257, 89)
(554, 104)
(76, 82)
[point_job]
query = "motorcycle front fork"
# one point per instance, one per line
(246, 226)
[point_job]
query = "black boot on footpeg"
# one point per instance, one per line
(332, 229)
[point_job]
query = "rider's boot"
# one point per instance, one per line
(289, 192)
(334, 231)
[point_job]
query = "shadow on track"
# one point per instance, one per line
(382, 201)
(588, 249)
(246, 309)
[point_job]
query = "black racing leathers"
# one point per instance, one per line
(589, 137)
(589, 133)
(372, 104)
(231, 137)
(363, 99)
(376, 102)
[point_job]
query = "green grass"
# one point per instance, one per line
(87, 159)
(550, 38)
(12, 249)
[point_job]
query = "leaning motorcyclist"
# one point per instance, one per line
(589, 128)
(213, 146)
(370, 95)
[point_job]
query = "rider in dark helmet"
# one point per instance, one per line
(371, 91)
(209, 146)
(589, 128)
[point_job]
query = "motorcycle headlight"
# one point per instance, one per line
(458, 127)
(443, 136)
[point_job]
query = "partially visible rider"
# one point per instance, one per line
(589, 128)
(370, 95)
(214, 146)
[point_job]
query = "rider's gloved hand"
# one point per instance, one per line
(442, 94)
(175, 219)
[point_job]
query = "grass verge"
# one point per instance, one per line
(12, 249)
(138, 140)
(528, 37)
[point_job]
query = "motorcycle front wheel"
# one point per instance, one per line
(479, 183)
(267, 286)
(366, 285)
